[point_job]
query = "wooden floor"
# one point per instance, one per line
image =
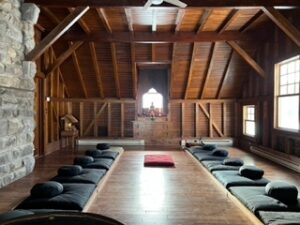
(136, 195)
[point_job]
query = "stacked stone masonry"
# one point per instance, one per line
(17, 124)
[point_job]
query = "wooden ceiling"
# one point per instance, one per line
(209, 50)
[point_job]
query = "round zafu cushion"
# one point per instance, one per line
(83, 160)
(46, 190)
(233, 162)
(102, 146)
(251, 172)
(220, 152)
(69, 171)
(94, 153)
(209, 147)
(282, 191)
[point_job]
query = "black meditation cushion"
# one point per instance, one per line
(233, 162)
(69, 171)
(251, 172)
(83, 160)
(14, 214)
(209, 147)
(46, 190)
(220, 152)
(102, 146)
(93, 152)
(283, 191)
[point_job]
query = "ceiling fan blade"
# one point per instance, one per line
(177, 3)
(148, 4)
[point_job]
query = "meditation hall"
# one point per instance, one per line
(149, 112)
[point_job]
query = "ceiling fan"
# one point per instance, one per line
(158, 2)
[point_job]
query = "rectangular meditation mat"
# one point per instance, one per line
(159, 160)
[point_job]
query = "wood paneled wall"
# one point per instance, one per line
(260, 92)
(187, 118)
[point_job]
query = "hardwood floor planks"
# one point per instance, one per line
(137, 195)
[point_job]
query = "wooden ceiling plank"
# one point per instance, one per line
(79, 73)
(203, 19)
(284, 24)
(129, 19)
(179, 19)
(158, 37)
(247, 25)
(98, 72)
(115, 66)
(232, 15)
(104, 19)
(56, 33)
(247, 58)
(192, 61)
(63, 57)
(139, 3)
(224, 75)
(209, 67)
(134, 71)
(208, 116)
(153, 57)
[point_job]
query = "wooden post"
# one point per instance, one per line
(196, 120)
(81, 118)
(182, 119)
(95, 124)
(224, 118)
(109, 119)
(122, 119)
(210, 120)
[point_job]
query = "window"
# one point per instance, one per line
(152, 103)
(287, 94)
(249, 120)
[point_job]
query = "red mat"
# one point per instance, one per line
(159, 160)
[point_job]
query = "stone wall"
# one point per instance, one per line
(17, 124)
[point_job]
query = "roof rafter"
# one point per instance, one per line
(284, 24)
(203, 19)
(248, 24)
(211, 57)
(247, 58)
(192, 61)
(115, 66)
(56, 33)
(225, 74)
(232, 15)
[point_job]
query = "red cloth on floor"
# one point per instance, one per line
(158, 160)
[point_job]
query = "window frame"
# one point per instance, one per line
(246, 119)
(277, 94)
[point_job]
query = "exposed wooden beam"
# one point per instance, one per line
(79, 73)
(56, 33)
(209, 67)
(82, 23)
(104, 19)
(158, 37)
(179, 19)
(208, 116)
(190, 3)
(172, 69)
(95, 119)
(248, 24)
(247, 58)
(203, 19)
(192, 61)
(153, 53)
(134, 71)
(50, 15)
(115, 66)
(100, 100)
(224, 75)
(98, 72)
(63, 57)
(284, 24)
(129, 19)
(232, 15)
